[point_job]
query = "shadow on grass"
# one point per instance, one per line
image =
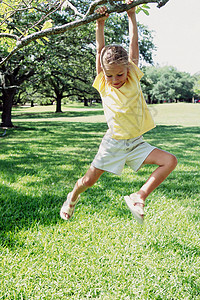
(40, 164)
(50, 115)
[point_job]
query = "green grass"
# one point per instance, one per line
(101, 253)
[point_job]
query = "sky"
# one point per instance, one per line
(176, 29)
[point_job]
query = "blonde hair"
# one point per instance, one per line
(113, 54)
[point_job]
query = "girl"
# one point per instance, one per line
(128, 117)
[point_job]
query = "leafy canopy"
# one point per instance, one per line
(42, 24)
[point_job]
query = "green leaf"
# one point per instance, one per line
(40, 42)
(146, 12)
(143, 8)
(138, 9)
(19, 30)
(146, 6)
(47, 24)
(46, 38)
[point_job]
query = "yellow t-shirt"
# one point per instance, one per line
(125, 109)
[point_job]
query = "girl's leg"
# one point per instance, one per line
(88, 180)
(166, 164)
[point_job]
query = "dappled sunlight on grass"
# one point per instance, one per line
(44, 257)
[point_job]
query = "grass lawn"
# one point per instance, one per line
(101, 253)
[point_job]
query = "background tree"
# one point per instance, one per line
(12, 75)
(167, 84)
(197, 86)
(69, 67)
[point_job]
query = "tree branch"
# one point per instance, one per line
(162, 3)
(8, 35)
(74, 24)
(73, 8)
(46, 15)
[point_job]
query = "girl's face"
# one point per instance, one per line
(116, 74)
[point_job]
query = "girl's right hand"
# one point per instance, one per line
(102, 11)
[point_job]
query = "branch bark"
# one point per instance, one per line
(90, 16)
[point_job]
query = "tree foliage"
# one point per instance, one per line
(68, 68)
(167, 84)
(42, 13)
(197, 85)
(19, 69)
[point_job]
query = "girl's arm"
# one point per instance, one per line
(133, 35)
(100, 40)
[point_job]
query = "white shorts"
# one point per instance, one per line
(114, 154)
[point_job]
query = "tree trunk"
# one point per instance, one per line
(85, 102)
(8, 96)
(58, 104)
(149, 101)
